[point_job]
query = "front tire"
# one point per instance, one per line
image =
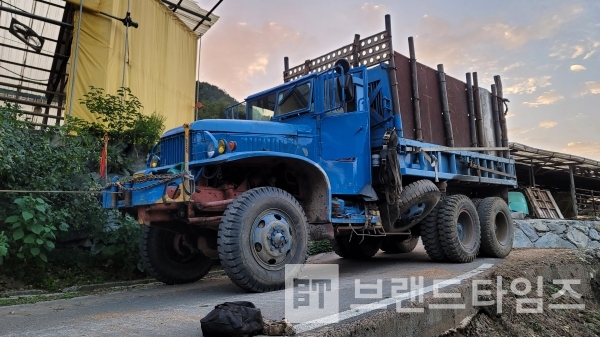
(262, 230)
(459, 229)
(171, 257)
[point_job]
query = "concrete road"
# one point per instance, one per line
(177, 310)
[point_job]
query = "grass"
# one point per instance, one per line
(39, 298)
(318, 247)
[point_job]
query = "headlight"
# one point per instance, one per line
(222, 146)
(155, 161)
(210, 149)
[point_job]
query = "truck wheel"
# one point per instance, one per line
(476, 202)
(399, 244)
(262, 230)
(356, 247)
(416, 201)
(171, 257)
(459, 229)
(430, 235)
(497, 229)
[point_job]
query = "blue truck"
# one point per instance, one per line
(361, 146)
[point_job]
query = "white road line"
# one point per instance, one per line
(383, 304)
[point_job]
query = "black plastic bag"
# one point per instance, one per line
(236, 319)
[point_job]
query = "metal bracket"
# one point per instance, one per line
(433, 161)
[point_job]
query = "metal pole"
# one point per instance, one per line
(286, 66)
(73, 75)
(532, 172)
(355, 50)
(392, 76)
(125, 48)
(593, 202)
(573, 195)
(501, 113)
(197, 110)
(497, 129)
(415, 90)
(478, 113)
(445, 106)
(471, 108)
(35, 17)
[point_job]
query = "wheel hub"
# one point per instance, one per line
(272, 240)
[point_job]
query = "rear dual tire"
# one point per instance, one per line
(497, 228)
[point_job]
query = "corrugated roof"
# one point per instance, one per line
(36, 79)
(190, 19)
(554, 161)
(24, 72)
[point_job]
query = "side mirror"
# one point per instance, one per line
(346, 89)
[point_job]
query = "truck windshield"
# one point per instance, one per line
(263, 108)
(296, 98)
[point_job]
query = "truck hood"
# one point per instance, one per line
(244, 126)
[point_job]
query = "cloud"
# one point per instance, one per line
(512, 66)
(548, 124)
(584, 149)
(474, 44)
(546, 98)
(259, 65)
(252, 58)
(527, 85)
(573, 51)
(577, 67)
(591, 88)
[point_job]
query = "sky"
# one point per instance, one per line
(547, 52)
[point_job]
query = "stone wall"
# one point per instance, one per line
(537, 233)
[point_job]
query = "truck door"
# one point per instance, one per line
(344, 135)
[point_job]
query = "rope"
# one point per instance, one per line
(55, 192)
(161, 179)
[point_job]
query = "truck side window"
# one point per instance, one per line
(262, 109)
(294, 100)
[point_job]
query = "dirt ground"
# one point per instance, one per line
(552, 265)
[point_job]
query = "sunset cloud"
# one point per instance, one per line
(577, 67)
(546, 98)
(548, 124)
(527, 85)
(584, 149)
(591, 88)
(587, 48)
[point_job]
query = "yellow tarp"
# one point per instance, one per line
(161, 64)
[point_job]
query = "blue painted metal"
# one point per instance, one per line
(334, 137)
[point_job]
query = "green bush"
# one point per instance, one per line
(4, 246)
(63, 159)
(34, 228)
(122, 118)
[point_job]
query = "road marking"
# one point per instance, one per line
(383, 304)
